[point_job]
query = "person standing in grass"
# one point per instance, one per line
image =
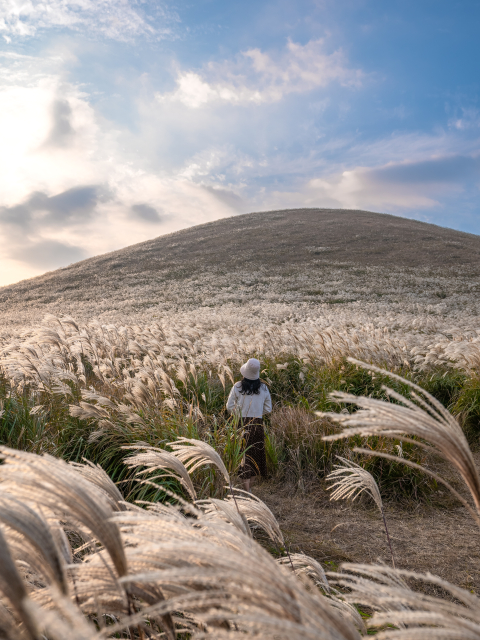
(251, 399)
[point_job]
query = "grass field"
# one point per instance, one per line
(81, 392)
(158, 541)
(167, 551)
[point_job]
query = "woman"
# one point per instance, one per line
(251, 399)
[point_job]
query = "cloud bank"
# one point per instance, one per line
(121, 20)
(259, 77)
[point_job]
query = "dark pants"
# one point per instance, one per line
(255, 463)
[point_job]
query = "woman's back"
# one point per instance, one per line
(253, 405)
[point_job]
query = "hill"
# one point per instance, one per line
(300, 256)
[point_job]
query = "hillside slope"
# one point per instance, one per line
(314, 256)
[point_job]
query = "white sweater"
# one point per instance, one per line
(253, 406)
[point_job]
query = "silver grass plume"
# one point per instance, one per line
(214, 508)
(155, 459)
(53, 483)
(87, 411)
(257, 514)
(29, 534)
(65, 622)
(97, 476)
(413, 614)
(305, 565)
(308, 568)
(349, 481)
(13, 588)
(9, 627)
(101, 400)
(195, 453)
(215, 573)
(422, 417)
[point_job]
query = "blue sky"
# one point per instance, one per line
(121, 120)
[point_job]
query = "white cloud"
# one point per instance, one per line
(117, 19)
(358, 189)
(26, 124)
(257, 77)
(469, 119)
(73, 185)
(413, 184)
(407, 174)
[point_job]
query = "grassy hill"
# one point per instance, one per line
(300, 256)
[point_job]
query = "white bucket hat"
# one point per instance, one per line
(251, 369)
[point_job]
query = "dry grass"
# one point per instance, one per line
(421, 421)
(350, 480)
(140, 572)
(417, 615)
(343, 269)
(441, 538)
(195, 569)
(79, 561)
(295, 440)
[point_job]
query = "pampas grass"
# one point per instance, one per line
(200, 573)
(78, 391)
(195, 453)
(62, 490)
(303, 565)
(154, 459)
(409, 614)
(31, 539)
(78, 560)
(96, 566)
(257, 514)
(350, 480)
(423, 418)
(14, 590)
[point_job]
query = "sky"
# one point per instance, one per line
(122, 120)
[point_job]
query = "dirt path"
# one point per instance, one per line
(442, 540)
